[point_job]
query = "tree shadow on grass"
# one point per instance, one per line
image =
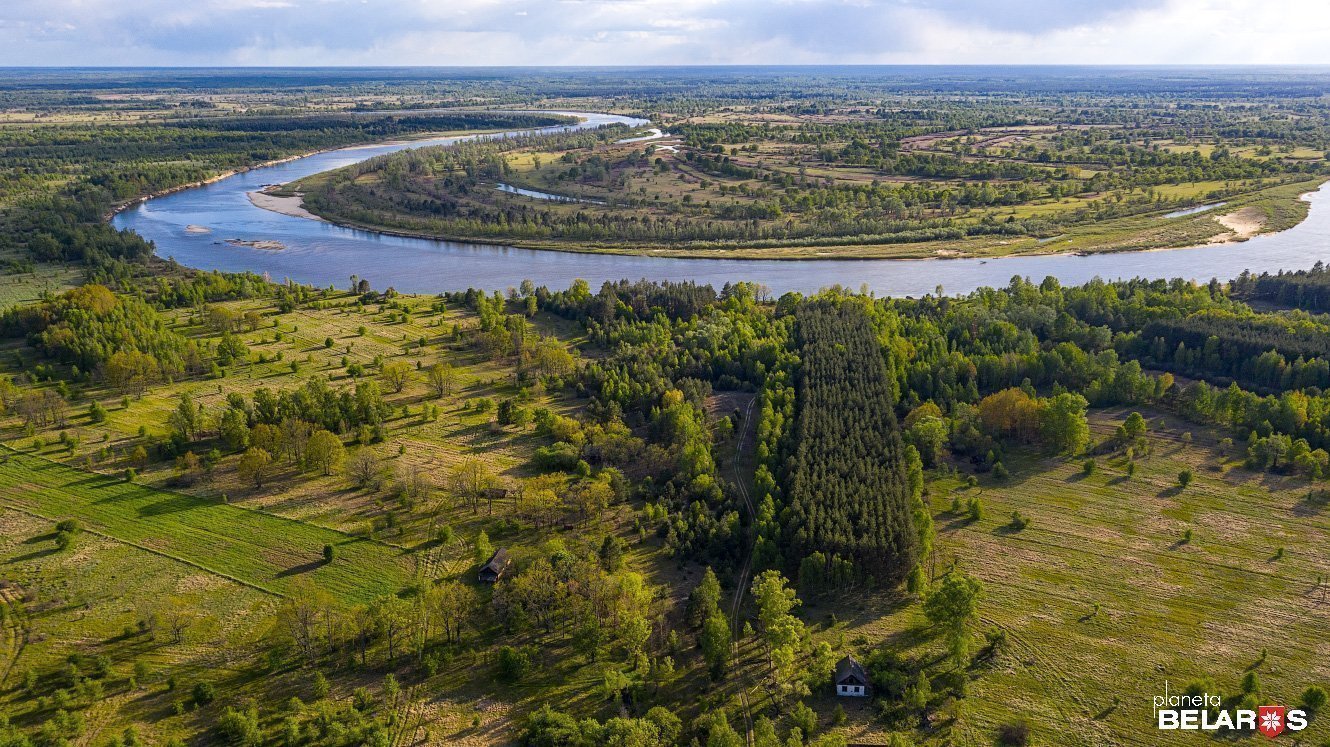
(173, 505)
(1308, 506)
(1170, 492)
(93, 479)
(303, 568)
(34, 555)
(957, 521)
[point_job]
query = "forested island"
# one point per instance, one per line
(241, 510)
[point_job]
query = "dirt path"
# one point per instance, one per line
(15, 634)
(746, 571)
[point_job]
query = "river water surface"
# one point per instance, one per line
(320, 253)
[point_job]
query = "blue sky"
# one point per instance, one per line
(643, 32)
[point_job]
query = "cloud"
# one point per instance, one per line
(649, 32)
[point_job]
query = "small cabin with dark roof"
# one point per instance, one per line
(851, 679)
(492, 570)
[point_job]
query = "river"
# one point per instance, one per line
(197, 226)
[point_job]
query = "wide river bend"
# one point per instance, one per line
(321, 254)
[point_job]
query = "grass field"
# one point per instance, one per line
(1103, 600)
(89, 600)
(264, 551)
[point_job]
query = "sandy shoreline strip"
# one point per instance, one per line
(293, 206)
(1244, 223)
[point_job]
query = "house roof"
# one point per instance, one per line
(850, 669)
(497, 562)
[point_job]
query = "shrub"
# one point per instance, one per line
(559, 456)
(804, 718)
(1087, 468)
(512, 664)
(203, 693)
(1014, 734)
(1314, 698)
(1184, 478)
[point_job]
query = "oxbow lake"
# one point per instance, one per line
(209, 227)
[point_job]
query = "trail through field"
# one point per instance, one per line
(15, 634)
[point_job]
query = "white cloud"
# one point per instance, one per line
(645, 32)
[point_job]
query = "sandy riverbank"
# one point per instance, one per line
(293, 205)
(1244, 223)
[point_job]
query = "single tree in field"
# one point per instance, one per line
(254, 465)
(185, 419)
(441, 378)
(393, 618)
(395, 374)
(952, 604)
(1184, 478)
(178, 616)
(324, 452)
(301, 616)
(365, 469)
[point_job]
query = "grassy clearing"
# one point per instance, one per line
(83, 600)
(260, 550)
(1103, 599)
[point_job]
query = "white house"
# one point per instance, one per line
(851, 680)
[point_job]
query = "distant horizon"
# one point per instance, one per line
(600, 33)
(703, 66)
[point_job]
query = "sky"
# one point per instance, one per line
(661, 32)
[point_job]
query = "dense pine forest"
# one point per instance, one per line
(850, 497)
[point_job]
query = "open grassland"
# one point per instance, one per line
(1103, 599)
(89, 601)
(258, 549)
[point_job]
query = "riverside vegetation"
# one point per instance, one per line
(251, 512)
(904, 176)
